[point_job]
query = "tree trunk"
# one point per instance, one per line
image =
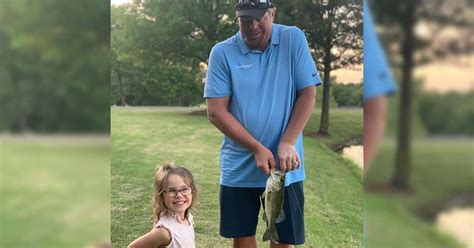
(324, 125)
(20, 124)
(123, 100)
(401, 176)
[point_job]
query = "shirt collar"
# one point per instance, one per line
(274, 40)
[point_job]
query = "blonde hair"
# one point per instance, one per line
(160, 184)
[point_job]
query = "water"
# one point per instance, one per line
(458, 222)
(354, 153)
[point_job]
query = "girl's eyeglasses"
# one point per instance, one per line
(172, 192)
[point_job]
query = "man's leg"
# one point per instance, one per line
(280, 245)
(291, 230)
(245, 242)
(239, 209)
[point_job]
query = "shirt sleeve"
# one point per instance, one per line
(378, 78)
(306, 73)
(167, 227)
(218, 75)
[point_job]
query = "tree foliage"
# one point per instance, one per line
(348, 94)
(433, 18)
(169, 33)
(448, 114)
(54, 67)
(160, 49)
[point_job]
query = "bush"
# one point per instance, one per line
(451, 113)
(348, 94)
(158, 85)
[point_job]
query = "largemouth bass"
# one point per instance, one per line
(272, 199)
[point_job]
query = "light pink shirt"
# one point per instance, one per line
(182, 235)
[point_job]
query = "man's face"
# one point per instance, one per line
(257, 32)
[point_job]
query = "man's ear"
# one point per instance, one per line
(274, 12)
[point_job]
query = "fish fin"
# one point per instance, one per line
(280, 217)
(271, 234)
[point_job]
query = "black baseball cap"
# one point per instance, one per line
(253, 8)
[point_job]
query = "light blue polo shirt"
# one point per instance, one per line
(262, 87)
(378, 78)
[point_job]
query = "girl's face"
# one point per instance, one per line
(177, 195)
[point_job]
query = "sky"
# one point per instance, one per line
(454, 74)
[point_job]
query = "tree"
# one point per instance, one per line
(348, 94)
(334, 32)
(448, 114)
(54, 66)
(144, 44)
(402, 17)
(192, 28)
(120, 48)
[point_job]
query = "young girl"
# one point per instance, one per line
(172, 201)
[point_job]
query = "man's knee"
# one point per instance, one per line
(245, 242)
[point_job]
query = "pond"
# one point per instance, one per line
(354, 153)
(458, 222)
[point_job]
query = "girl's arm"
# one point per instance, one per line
(157, 237)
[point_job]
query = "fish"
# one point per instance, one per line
(272, 200)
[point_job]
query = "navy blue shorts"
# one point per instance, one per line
(240, 213)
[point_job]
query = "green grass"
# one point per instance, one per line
(345, 125)
(141, 140)
(390, 224)
(54, 194)
(441, 168)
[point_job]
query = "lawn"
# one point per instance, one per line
(143, 139)
(54, 193)
(345, 126)
(442, 168)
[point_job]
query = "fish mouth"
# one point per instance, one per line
(277, 175)
(277, 172)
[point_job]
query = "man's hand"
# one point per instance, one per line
(264, 159)
(288, 157)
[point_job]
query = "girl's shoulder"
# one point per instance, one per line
(169, 220)
(181, 235)
(165, 220)
(191, 219)
(162, 233)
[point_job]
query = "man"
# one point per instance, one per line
(260, 91)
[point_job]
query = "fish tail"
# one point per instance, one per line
(271, 234)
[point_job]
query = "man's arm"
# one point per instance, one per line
(219, 115)
(287, 155)
(374, 125)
